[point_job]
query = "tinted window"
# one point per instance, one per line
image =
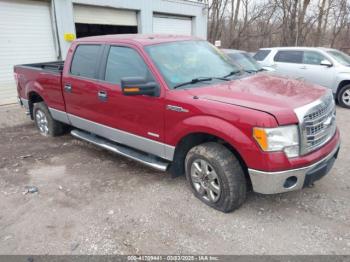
(313, 58)
(289, 57)
(261, 55)
(85, 60)
(125, 62)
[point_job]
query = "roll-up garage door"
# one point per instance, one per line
(165, 24)
(26, 36)
(94, 20)
(86, 14)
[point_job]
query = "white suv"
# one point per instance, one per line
(323, 66)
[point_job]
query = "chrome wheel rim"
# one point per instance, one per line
(205, 180)
(41, 122)
(346, 97)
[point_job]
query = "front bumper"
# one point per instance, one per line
(294, 179)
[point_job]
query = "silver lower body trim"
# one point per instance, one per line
(59, 116)
(144, 144)
(138, 142)
(274, 182)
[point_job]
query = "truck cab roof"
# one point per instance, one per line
(138, 39)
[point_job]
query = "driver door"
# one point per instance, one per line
(312, 70)
(137, 121)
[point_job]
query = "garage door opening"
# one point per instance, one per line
(94, 20)
(84, 30)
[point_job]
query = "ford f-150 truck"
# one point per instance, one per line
(178, 104)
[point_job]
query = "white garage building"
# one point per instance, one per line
(40, 30)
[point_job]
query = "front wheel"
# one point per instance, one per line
(216, 177)
(344, 96)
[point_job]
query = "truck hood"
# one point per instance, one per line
(274, 95)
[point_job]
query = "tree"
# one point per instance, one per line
(251, 24)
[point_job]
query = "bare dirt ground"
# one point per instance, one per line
(91, 201)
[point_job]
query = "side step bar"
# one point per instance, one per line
(145, 159)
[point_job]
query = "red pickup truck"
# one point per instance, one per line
(178, 104)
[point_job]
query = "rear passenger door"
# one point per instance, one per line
(80, 83)
(289, 63)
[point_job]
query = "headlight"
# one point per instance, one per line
(285, 138)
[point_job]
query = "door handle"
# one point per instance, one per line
(102, 95)
(303, 67)
(68, 88)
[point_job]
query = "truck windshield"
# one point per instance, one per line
(183, 61)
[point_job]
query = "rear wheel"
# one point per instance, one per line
(344, 96)
(216, 176)
(46, 125)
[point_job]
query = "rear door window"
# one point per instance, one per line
(125, 62)
(289, 56)
(261, 55)
(85, 61)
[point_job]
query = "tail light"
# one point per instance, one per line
(16, 76)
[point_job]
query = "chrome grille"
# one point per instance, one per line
(317, 123)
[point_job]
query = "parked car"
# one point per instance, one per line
(245, 60)
(322, 66)
(175, 103)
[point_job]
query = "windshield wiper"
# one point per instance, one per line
(199, 79)
(254, 71)
(232, 73)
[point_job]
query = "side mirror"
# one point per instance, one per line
(132, 86)
(268, 68)
(326, 63)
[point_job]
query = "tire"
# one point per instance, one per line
(227, 179)
(344, 96)
(44, 122)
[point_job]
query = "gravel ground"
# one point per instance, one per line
(91, 201)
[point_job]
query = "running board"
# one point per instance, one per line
(148, 160)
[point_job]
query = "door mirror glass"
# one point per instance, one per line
(325, 62)
(269, 68)
(132, 86)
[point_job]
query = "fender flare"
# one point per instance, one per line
(212, 126)
(34, 86)
(341, 77)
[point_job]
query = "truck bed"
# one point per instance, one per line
(56, 66)
(41, 78)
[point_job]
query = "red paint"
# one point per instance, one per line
(228, 110)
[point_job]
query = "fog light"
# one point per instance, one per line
(290, 182)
